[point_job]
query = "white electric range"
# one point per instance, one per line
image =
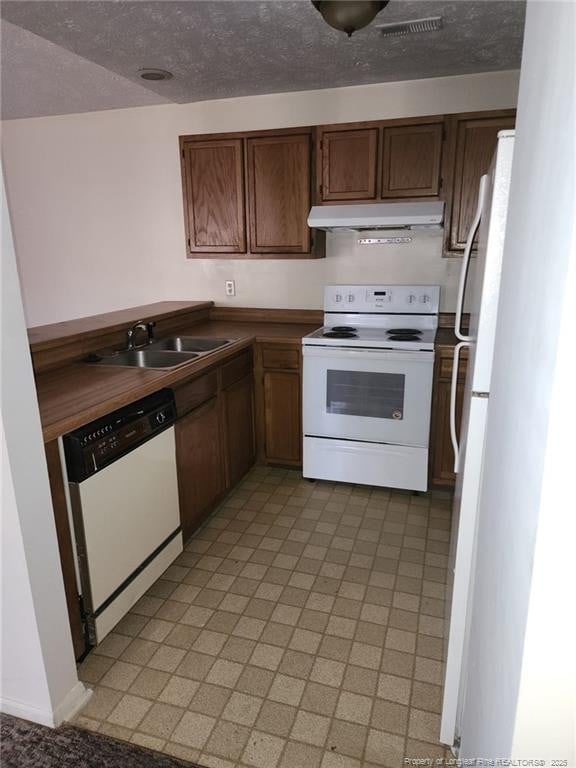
(367, 385)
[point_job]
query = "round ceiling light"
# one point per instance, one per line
(155, 74)
(349, 15)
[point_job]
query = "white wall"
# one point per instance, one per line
(38, 673)
(521, 684)
(96, 201)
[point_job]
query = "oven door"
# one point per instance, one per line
(372, 395)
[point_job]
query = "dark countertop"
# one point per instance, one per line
(78, 393)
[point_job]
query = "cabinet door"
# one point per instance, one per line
(239, 420)
(441, 451)
(279, 183)
(349, 164)
(473, 143)
(214, 196)
(282, 417)
(199, 455)
(411, 157)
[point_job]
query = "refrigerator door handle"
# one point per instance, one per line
(466, 260)
(453, 390)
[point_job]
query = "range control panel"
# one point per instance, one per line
(399, 299)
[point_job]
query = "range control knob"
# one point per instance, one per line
(350, 298)
(338, 298)
(411, 298)
(425, 299)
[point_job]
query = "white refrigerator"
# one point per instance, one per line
(482, 299)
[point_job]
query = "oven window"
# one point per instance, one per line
(360, 393)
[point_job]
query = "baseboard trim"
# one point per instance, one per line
(73, 702)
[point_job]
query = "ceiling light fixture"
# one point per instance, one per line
(148, 73)
(349, 15)
(431, 24)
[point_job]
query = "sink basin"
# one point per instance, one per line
(189, 344)
(147, 358)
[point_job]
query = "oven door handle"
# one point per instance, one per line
(453, 390)
(385, 355)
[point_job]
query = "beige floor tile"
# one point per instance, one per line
(347, 738)
(181, 752)
(116, 731)
(363, 655)
(429, 671)
(213, 761)
(129, 711)
(131, 624)
(263, 750)
(401, 640)
(385, 749)
(320, 699)
(227, 740)
(389, 716)
(267, 656)
(335, 760)
(394, 688)
(276, 718)
(172, 610)
(182, 636)
(193, 730)
(209, 642)
(255, 680)
(424, 726)
(149, 683)
(94, 668)
(242, 708)
(210, 699)
(178, 691)
(426, 696)
(306, 641)
(166, 658)
(249, 628)
(354, 708)
(298, 755)
(397, 663)
(196, 616)
(310, 728)
(195, 665)
(337, 648)
(360, 680)
(139, 651)
(160, 720)
(340, 626)
(238, 649)
(327, 672)
(225, 673)
(147, 741)
(286, 690)
(121, 675)
(101, 703)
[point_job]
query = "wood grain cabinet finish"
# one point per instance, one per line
(471, 144)
(411, 156)
(239, 426)
(279, 172)
(200, 459)
(283, 414)
(441, 451)
(213, 176)
(349, 164)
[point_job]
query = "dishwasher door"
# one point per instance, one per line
(127, 524)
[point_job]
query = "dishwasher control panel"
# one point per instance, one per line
(94, 446)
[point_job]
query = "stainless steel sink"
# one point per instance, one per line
(146, 358)
(189, 344)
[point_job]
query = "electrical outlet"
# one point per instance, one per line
(230, 288)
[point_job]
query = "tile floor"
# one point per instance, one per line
(302, 627)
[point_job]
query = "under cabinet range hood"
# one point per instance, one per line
(335, 218)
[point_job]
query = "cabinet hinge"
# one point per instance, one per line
(321, 145)
(441, 183)
(189, 246)
(183, 154)
(321, 189)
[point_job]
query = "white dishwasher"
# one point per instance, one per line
(123, 493)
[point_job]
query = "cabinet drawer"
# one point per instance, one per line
(273, 357)
(193, 393)
(236, 369)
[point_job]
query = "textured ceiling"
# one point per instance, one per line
(224, 48)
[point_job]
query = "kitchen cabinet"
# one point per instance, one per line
(239, 424)
(392, 160)
(441, 451)
(411, 156)
(248, 195)
(280, 404)
(349, 164)
(213, 177)
(471, 144)
(279, 169)
(200, 460)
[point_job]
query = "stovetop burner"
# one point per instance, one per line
(344, 329)
(333, 334)
(404, 331)
(404, 337)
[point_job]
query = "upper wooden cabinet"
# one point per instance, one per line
(349, 164)
(213, 176)
(471, 143)
(248, 195)
(279, 173)
(411, 156)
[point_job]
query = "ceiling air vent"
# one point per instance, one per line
(432, 24)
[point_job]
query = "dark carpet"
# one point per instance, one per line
(28, 745)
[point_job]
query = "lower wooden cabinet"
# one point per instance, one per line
(215, 444)
(441, 451)
(239, 433)
(200, 459)
(279, 387)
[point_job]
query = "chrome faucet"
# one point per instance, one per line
(140, 326)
